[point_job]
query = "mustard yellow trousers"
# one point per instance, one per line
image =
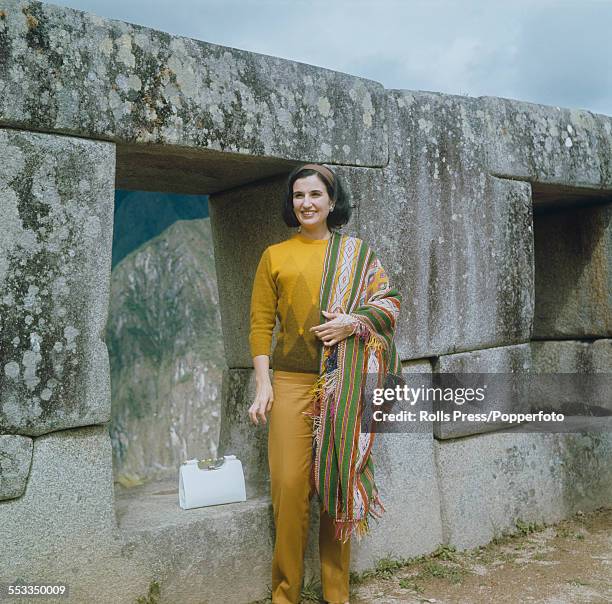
(290, 457)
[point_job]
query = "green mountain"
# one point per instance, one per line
(166, 353)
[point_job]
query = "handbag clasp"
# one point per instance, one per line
(211, 463)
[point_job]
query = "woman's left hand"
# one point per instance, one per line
(339, 326)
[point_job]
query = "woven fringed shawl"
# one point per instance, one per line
(353, 282)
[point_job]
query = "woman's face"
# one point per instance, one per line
(310, 201)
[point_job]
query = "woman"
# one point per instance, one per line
(337, 316)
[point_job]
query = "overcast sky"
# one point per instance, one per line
(555, 52)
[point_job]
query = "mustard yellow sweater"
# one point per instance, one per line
(287, 284)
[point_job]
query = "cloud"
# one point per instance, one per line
(564, 59)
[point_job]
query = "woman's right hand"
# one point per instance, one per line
(262, 404)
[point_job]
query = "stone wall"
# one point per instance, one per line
(491, 215)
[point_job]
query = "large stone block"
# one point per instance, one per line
(545, 143)
(244, 222)
(198, 555)
(63, 528)
(509, 395)
(489, 482)
(457, 240)
(15, 459)
(80, 74)
(573, 268)
(56, 203)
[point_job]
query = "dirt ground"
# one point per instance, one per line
(566, 563)
(569, 562)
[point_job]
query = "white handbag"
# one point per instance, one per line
(211, 482)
